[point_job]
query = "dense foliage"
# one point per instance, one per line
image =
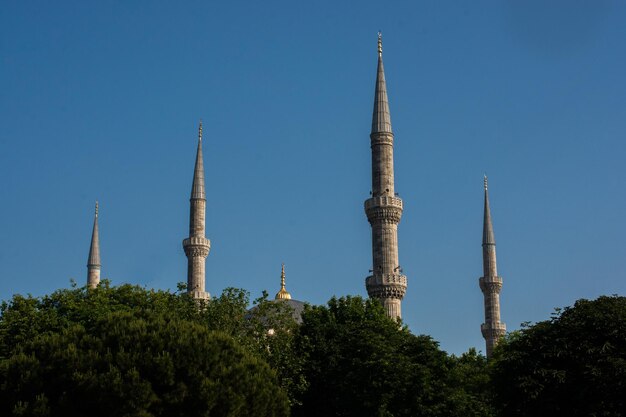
(571, 365)
(130, 366)
(141, 352)
(128, 351)
(359, 362)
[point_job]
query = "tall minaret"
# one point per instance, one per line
(93, 262)
(384, 208)
(490, 283)
(197, 246)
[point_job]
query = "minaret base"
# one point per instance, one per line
(492, 332)
(93, 276)
(393, 307)
(199, 295)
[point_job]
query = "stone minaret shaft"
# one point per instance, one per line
(490, 283)
(197, 246)
(93, 262)
(384, 208)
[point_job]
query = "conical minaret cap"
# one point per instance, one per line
(381, 118)
(94, 249)
(488, 235)
(282, 294)
(197, 188)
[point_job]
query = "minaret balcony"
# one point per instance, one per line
(383, 201)
(386, 286)
(492, 284)
(383, 209)
(197, 241)
(493, 329)
(386, 279)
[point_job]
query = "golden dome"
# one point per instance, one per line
(282, 294)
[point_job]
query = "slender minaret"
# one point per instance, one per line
(384, 208)
(197, 246)
(93, 262)
(490, 283)
(282, 294)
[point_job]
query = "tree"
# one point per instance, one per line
(127, 365)
(347, 358)
(272, 328)
(267, 330)
(469, 381)
(359, 362)
(571, 365)
(24, 318)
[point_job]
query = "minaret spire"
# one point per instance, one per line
(197, 246)
(384, 208)
(93, 261)
(488, 236)
(282, 294)
(381, 119)
(490, 283)
(197, 187)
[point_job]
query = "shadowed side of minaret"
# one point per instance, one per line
(490, 283)
(197, 246)
(93, 261)
(384, 208)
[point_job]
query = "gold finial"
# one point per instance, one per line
(96, 208)
(282, 277)
(200, 131)
(485, 180)
(380, 43)
(282, 294)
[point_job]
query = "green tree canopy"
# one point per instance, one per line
(571, 365)
(83, 323)
(347, 358)
(24, 318)
(137, 366)
(359, 362)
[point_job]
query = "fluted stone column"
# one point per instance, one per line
(490, 283)
(384, 208)
(197, 246)
(93, 261)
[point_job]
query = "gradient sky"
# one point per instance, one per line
(101, 100)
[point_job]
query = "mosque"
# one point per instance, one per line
(383, 209)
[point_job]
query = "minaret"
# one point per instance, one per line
(93, 262)
(197, 246)
(490, 283)
(384, 208)
(282, 294)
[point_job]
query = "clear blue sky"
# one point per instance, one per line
(101, 100)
